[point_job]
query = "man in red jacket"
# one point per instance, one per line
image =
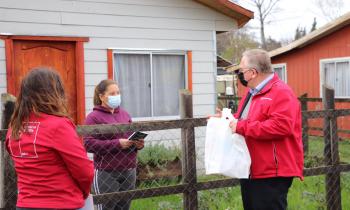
(270, 120)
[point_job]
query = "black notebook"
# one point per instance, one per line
(137, 135)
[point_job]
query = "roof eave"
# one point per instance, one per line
(226, 7)
(313, 36)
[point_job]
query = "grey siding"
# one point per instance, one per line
(150, 24)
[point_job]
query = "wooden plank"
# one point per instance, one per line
(203, 89)
(331, 152)
(208, 185)
(133, 21)
(110, 58)
(2, 53)
(2, 68)
(3, 134)
(127, 43)
(133, 10)
(204, 99)
(200, 78)
(217, 184)
(94, 79)
(56, 5)
(320, 99)
(96, 67)
(189, 168)
(189, 71)
(305, 130)
(341, 112)
(203, 67)
(3, 81)
(20, 15)
(45, 38)
(203, 110)
(204, 56)
(145, 126)
(108, 32)
(321, 129)
(165, 3)
(121, 8)
(145, 193)
(80, 81)
(316, 114)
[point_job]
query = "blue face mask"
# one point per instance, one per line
(114, 101)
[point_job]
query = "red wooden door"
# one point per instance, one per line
(58, 55)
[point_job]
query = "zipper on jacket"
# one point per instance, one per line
(275, 157)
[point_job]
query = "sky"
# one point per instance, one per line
(288, 16)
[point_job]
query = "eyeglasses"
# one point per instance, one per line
(241, 70)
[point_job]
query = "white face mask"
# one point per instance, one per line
(114, 101)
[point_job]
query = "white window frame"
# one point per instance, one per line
(284, 66)
(152, 52)
(322, 73)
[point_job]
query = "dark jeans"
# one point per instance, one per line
(265, 194)
(114, 181)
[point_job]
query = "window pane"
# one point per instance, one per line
(168, 79)
(329, 69)
(342, 79)
(133, 74)
(280, 72)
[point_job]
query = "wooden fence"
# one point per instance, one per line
(190, 186)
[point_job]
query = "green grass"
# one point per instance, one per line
(303, 195)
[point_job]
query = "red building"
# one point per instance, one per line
(321, 57)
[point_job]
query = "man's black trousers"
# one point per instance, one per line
(265, 194)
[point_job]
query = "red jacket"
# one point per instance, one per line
(53, 170)
(273, 132)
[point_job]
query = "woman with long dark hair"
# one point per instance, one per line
(53, 170)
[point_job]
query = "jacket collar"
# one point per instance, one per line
(268, 86)
(104, 109)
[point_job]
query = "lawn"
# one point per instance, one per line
(307, 194)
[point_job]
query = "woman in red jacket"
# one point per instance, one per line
(53, 170)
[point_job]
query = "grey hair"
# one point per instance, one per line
(258, 59)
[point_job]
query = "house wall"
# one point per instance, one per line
(175, 24)
(303, 69)
(2, 72)
(303, 65)
(163, 24)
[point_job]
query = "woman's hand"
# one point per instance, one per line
(125, 143)
(139, 144)
(218, 114)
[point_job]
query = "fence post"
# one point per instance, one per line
(305, 124)
(8, 197)
(188, 153)
(331, 153)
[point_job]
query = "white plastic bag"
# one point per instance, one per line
(225, 153)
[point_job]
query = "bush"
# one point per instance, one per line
(157, 155)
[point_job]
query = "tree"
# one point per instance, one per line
(232, 44)
(330, 9)
(314, 25)
(272, 44)
(299, 32)
(265, 8)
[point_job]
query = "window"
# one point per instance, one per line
(336, 74)
(150, 82)
(280, 69)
